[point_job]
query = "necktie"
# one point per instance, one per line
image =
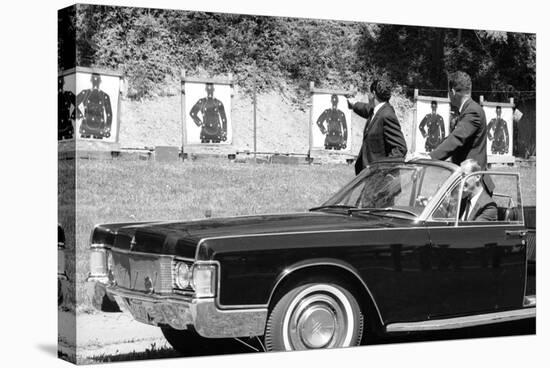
(466, 210)
(367, 124)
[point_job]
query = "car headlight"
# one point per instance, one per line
(204, 280)
(182, 275)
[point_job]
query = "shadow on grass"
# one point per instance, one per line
(153, 353)
(229, 347)
(516, 328)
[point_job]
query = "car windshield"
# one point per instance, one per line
(401, 189)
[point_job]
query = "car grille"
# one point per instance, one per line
(148, 273)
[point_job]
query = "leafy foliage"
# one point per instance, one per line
(151, 46)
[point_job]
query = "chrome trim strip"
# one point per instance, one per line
(182, 259)
(497, 224)
(461, 322)
(127, 251)
(139, 295)
(323, 262)
(98, 246)
(199, 244)
(98, 278)
(530, 301)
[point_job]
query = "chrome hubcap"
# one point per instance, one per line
(317, 327)
(319, 317)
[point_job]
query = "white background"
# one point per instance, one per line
(423, 108)
(29, 183)
(193, 93)
(506, 114)
(321, 102)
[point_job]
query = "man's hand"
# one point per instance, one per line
(351, 102)
(416, 156)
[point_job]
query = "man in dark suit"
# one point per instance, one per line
(382, 136)
(468, 140)
(476, 204)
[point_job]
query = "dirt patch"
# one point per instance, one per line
(105, 334)
(109, 337)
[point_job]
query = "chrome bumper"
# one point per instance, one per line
(180, 312)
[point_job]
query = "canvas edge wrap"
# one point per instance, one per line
(66, 169)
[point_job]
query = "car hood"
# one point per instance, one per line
(182, 238)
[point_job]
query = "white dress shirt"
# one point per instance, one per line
(376, 108)
(473, 202)
(462, 105)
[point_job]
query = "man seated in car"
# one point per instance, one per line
(476, 204)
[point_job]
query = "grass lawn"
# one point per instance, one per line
(129, 190)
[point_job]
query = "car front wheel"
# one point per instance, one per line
(314, 316)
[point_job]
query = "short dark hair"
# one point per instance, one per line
(434, 102)
(460, 82)
(499, 108)
(382, 89)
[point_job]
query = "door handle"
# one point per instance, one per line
(515, 234)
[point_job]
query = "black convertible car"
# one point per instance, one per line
(388, 253)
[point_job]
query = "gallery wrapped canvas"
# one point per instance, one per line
(233, 183)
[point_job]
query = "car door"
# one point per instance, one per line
(392, 251)
(478, 266)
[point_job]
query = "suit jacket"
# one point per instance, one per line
(382, 136)
(468, 140)
(485, 209)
